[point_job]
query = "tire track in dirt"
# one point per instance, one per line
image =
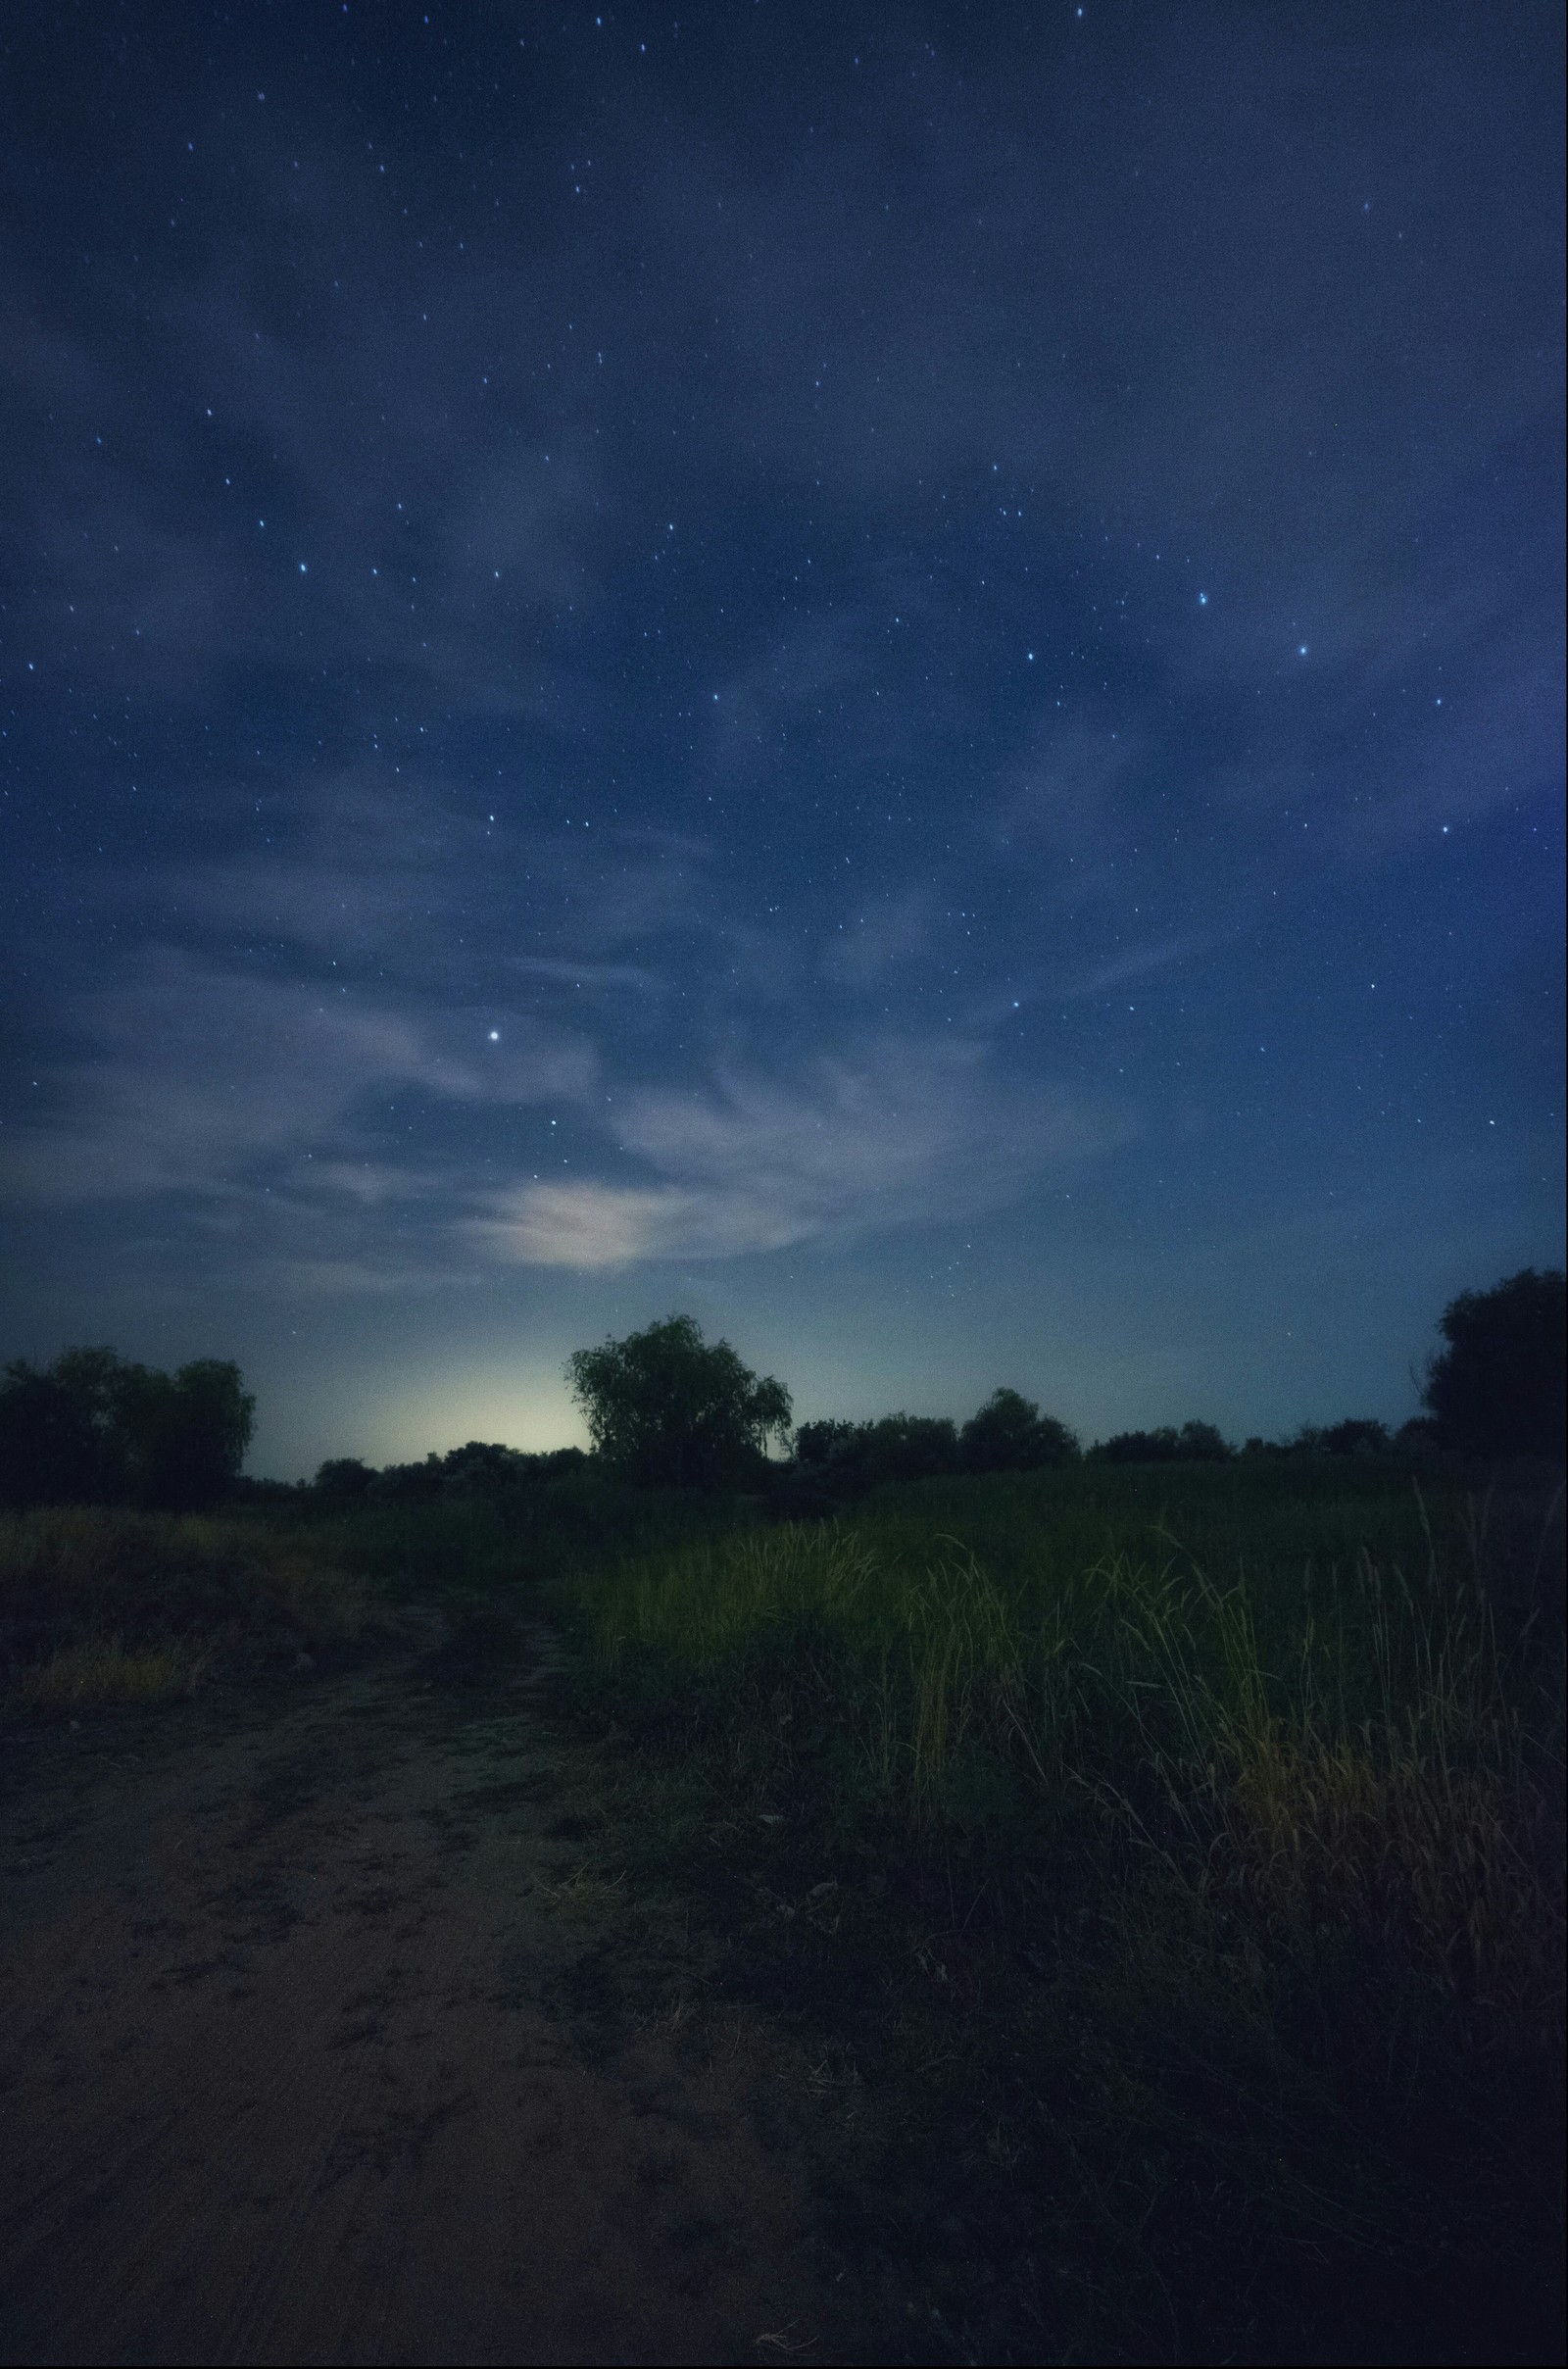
(314, 2051)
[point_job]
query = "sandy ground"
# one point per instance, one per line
(315, 2047)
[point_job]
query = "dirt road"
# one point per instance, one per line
(317, 2045)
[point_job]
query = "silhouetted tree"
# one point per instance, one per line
(907, 1448)
(1009, 1434)
(343, 1477)
(405, 1483)
(1357, 1435)
(820, 1443)
(664, 1406)
(1137, 1447)
(185, 1434)
(51, 1452)
(486, 1468)
(1499, 1387)
(1193, 1443)
(1417, 1440)
(93, 1427)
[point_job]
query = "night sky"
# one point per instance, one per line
(893, 676)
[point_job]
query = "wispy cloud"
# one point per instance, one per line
(887, 1134)
(278, 1107)
(888, 930)
(1141, 963)
(189, 1075)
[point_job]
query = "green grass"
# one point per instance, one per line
(1184, 1850)
(468, 1547)
(1161, 1869)
(102, 1604)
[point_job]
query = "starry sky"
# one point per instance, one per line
(890, 674)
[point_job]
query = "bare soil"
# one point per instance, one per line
(319, 2041)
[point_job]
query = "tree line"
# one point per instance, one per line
(666, 1409)
(95, 1429)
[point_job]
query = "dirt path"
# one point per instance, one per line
(314, 2049)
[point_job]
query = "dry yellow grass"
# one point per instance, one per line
(101, 1672)
(103, 1605)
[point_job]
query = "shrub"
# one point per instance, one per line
(1357, 1435)
(1193, 1443)
(1498, 1388)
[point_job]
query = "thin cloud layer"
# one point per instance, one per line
(192, 1082)
(288, 1098)
(894, 1133)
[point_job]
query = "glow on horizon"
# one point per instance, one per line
(387, 1420)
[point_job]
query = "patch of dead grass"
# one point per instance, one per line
(101, 1672)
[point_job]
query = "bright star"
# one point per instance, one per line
(495, 1036)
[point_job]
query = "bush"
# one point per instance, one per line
(1356, 1435)
(1498, 1388)
(343, 1477)
(834, 1460)
(1193, 1443)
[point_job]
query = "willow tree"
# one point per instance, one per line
(668, 1409)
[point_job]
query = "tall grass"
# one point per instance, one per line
(1194, 1841)
(1317, 1777)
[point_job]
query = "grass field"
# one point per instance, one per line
(1161, 1869)
(100, 1605)
(1169, 1864)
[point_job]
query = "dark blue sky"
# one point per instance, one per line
(891, 674)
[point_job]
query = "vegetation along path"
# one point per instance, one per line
(324, 2047)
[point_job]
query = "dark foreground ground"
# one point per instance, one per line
(321, 2044)
(376, 2012)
